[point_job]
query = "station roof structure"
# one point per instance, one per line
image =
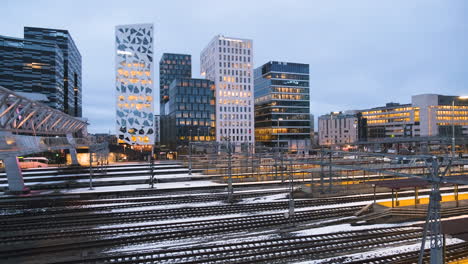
(401, 183)
(457, 228)
(415, 182)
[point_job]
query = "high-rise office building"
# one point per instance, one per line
(71, 65)
(282, 105)
(46, 62)
(172, 66)
(134, 84)
(191, 115)
(228, 63)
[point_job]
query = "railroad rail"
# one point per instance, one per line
(452, 253)
(13, 224)
(268, 250)
(151, 233)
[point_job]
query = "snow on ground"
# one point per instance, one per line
(346, 228)
(264, 199)
(175, 221)
(380, 252)
(168, 185)
(168, 206)
(217, 239)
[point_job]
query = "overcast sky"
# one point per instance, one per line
(361, 53)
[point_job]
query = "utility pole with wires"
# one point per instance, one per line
(291, 193)
(229, 152)
(433, 224)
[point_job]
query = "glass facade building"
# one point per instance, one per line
(228, 62)
(191, 115)
(46, 61)
(134, 84)
(172, 66)
(282, 105)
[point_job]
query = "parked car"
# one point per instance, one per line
(33, 162)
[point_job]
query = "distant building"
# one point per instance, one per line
(392, 120)
(428, 115)
(134, 84)
(172, 66)
(282, 105)
(337, 128)
(191, 116)
(437, 114)
(45, 61)
(228, 62)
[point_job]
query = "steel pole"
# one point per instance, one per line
(322, 171)
(91, 170)
(291, 195)
(230, 190)
(277, 135)
(190, 152)
(453, 129)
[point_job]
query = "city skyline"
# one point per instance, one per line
(367, 53)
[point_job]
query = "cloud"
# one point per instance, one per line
(361, 53)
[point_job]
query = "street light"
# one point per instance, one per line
(277, 133)
(278, 149)
(453, 123)
(190, 152)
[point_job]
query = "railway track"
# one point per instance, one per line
(102, 209)
(47, 222)
(267, 250)
(77, 203)
(113, 204)
(452, 253)
(153, 233)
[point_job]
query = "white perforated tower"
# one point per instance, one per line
(134, 84)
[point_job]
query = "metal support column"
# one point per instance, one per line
(330, 183)
(375, 198)
(230, 189)
(72, 150)
(91, 170)
(282, 167)
(14, 175)
(433, 215)
(190, 158)
(152, 172)
(322, 171)
(291, 193)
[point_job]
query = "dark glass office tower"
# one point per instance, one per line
(46, 61)
(172, 66)
(71, 64)
(32, 66)
(191, 115)
(282, 106)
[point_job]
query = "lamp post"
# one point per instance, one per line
(278, 149)
(190, 152)
(229, 152)
(277, 133)
(453, 123)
